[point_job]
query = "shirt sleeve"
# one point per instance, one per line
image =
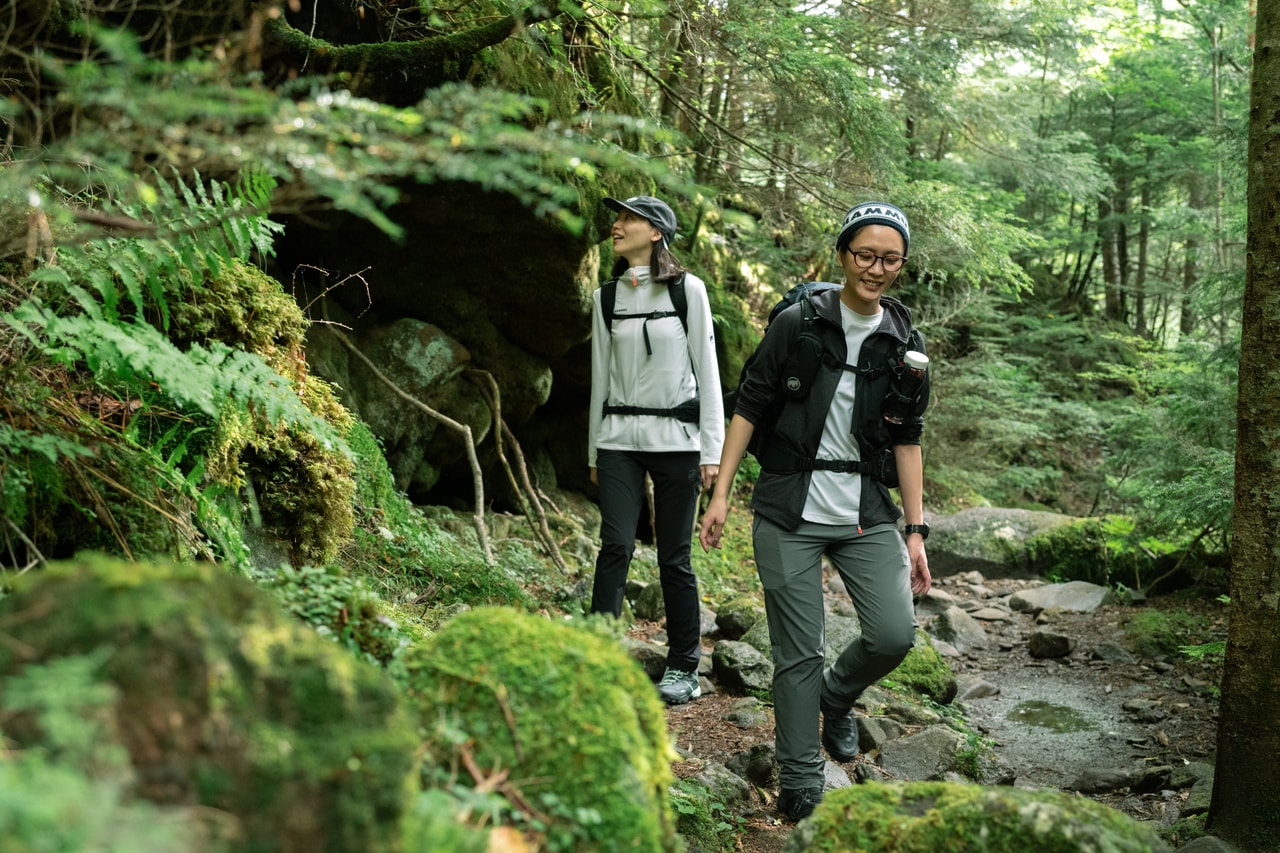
(760, 385)
(706, 369)
(601, 351)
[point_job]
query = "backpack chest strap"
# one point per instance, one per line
(652, 315)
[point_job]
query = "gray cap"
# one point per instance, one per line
(657, 211)
(874, 213)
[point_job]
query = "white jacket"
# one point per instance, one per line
(624, 373)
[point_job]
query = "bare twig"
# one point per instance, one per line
(527, 495)
(460, 428)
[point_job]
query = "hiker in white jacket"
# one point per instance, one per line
(656, 409)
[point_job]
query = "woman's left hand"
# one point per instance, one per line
(709, 474)
(921, 580)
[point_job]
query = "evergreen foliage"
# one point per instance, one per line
(1075, 264)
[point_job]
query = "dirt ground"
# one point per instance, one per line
(1050, 720)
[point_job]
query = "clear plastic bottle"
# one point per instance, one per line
(906, 386)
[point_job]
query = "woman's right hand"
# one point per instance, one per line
(713, 523)
(595, 477)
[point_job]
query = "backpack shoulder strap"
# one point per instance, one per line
(681, 301)
(608, 298)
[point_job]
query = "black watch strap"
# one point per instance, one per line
(922, 529)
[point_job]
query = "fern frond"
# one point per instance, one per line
(203, 380)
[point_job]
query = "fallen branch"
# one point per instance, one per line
(528, 496)
(462, 429)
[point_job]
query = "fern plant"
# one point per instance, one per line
(99, 320)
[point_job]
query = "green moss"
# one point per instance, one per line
(437, 823)
(226, 702)
(927, 817)
(377, 499)
(340, 605)
(925, 672)
(574, 722)
(1071, 552)
(246, 309)
(700, 820)
(1153, 633)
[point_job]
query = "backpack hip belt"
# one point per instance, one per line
(687, 412)
(881, 467)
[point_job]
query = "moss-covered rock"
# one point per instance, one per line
(224, 701)
(701, 818)
(1104, 551)
(573, 722)
(1075, 551)
(925, 672)
(926, 817)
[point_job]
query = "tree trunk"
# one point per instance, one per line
(736, 121)
(1110, 267)
(1245, 809)
(1140, 274)
(1120, 311)
(670, 32)
(1196, 201)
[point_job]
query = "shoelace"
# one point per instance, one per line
(671, 676)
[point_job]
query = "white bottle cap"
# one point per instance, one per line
(916, 360)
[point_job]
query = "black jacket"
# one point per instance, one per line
(780, 495)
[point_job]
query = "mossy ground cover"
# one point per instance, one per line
(221, 700)
(941, 817)
(562, 713)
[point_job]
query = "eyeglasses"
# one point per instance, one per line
(866, 260)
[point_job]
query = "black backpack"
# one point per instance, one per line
(801, 367)
(689, 410)
(609, 296)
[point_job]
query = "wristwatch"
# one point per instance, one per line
(922, 529)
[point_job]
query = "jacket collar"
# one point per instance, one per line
(895, 318)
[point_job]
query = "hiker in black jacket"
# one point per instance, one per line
(656, 409)
(826, 465)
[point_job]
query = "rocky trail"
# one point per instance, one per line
(1053, 683)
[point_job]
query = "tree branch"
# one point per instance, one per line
(396, 57)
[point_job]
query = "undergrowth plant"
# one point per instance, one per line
(74, 794)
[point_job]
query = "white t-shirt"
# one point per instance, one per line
(834, 497)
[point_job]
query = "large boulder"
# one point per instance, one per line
(507, 289)
(990, 540)
(924, 817)
(221, 700)
(563, 713)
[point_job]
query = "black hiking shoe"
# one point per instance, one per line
(799, 804)
(840, 735)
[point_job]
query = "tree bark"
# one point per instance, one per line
(1191, 257)
(1110, 265)
(402, 58)
(1245, 808)
(1140, 274)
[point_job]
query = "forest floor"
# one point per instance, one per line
(1049, 721)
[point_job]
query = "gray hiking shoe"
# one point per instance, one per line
(678, 686)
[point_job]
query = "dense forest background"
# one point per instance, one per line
(225, 225)
(1073, 174)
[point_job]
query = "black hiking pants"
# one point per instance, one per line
(677, 481)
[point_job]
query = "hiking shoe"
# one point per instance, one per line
(799, 804)
(840, 735)
(678, 686)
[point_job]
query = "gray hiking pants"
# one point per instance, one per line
(874, 567)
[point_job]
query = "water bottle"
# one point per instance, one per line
(906, 386)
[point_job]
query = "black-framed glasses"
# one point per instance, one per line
(866, 260)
